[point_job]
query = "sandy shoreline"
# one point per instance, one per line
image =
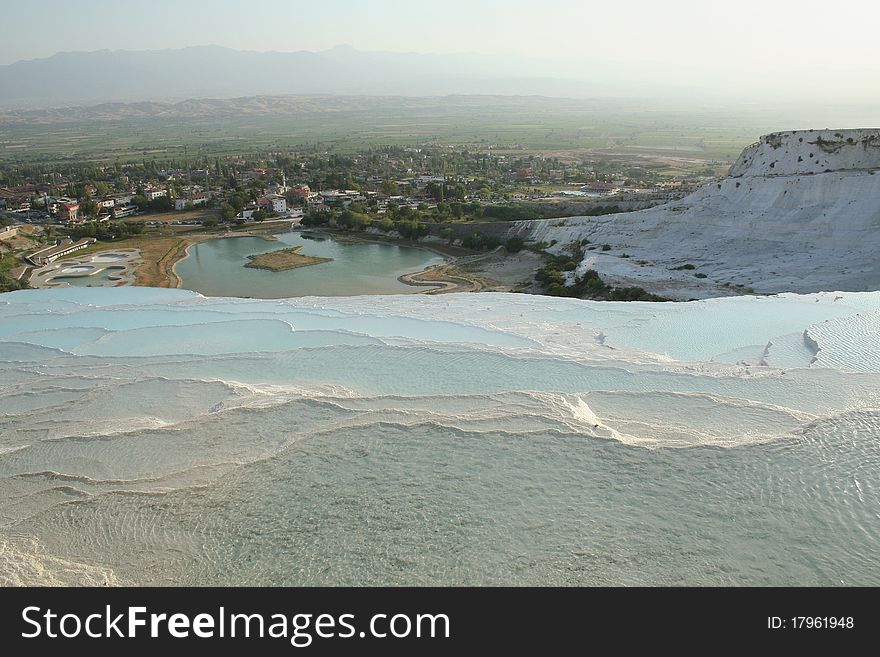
(449, 278)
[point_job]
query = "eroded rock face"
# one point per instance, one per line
(810, 152)
(799, 212)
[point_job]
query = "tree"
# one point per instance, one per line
(161, 204)
(313, 218)
(435, 191)
(389, 187)
(411, 229)
(88, 207)
(353, 220)
(404, 212)
(238, 201)
(227, 212)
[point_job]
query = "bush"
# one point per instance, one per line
(353, 220)
(602, 209)
(110, 230)
(589, 285)
(514, 244)
(510, 213)
(548, 276)
(632, 294)
(412, 230)
(315, 219)
(480, 242)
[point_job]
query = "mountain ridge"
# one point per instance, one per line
(92, 77)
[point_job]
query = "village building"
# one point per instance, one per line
(62, 247)
(274, 202)
(153, 194)
(68, 210)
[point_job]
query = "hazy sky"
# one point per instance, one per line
(764, 44)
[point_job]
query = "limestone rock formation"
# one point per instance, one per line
(798, 212)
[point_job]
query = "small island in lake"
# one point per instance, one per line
(284, 259)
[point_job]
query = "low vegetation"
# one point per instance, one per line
(587, 286)
(8, 262)
(284, 259)
(106, 231)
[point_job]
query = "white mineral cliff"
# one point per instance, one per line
(799, 211)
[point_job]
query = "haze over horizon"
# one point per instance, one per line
(756, 52)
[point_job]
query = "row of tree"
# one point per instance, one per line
(107, 230)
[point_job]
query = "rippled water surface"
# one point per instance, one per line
(159, 437)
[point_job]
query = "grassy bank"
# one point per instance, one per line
(284, 259)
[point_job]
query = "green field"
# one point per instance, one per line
(505, 124)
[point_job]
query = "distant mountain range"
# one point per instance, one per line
(76, 78)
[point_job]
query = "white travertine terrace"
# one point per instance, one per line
(809, 152)
(799, 212)
(153, 436)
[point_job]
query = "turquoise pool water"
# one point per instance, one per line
(155, 436)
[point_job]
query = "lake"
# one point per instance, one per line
(217, 267)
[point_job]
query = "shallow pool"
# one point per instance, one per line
(103, 277)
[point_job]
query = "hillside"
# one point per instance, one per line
(799, 212)
(76, 78)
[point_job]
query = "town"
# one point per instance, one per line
(400, 192)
